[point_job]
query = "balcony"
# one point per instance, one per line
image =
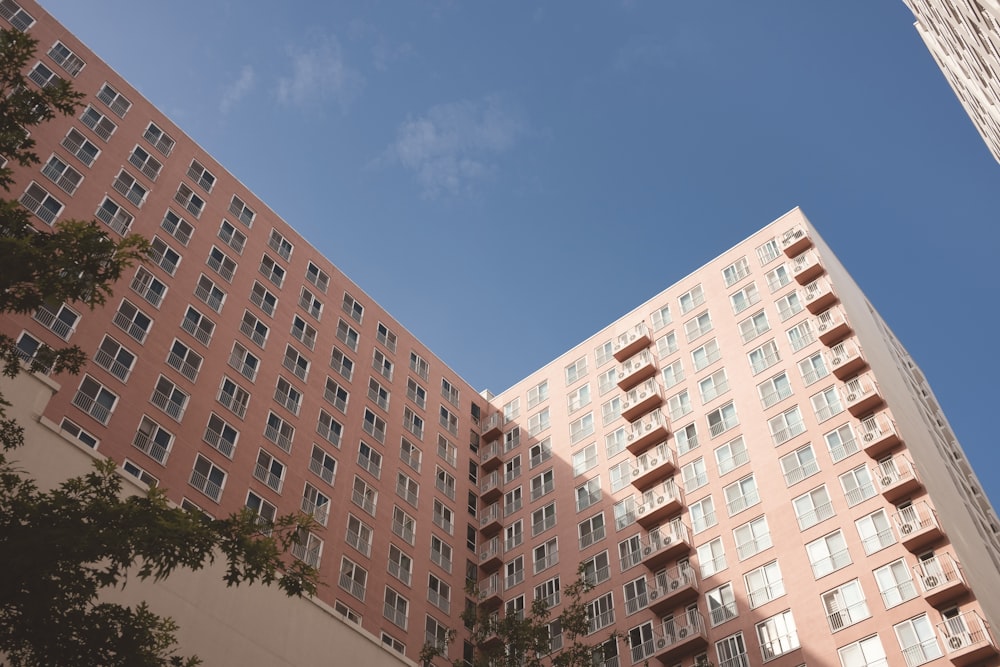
(659, 504)
(490, 520)
(819, 296)
(492, 426)
(918, 526)
(682, 636)
(806, 267)
(795, 241)
(491, 555)
(896, 478)
(832, 326)
(640, 400)
(653, 466)
(489, 456)
(631, 342)
(672, 588)
(966, 639)
(878, 434)
(941, 579)
(646, 432)
(665, 543)
(491, 591)
(491, 488)
(861, 394)
(845, 359)
(636, 369)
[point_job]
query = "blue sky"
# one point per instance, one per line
(440, 152)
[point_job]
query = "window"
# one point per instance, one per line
(686, 438)
(164, 256)
(895, 583)
(588, 493)
(400, 564)
(581, 428)
(679, 405)
(234, 397)
(777, 635)
(786, 426)
(702, 514)
(114, 358)
(841, 442)
(186, 197)
(117, 102)
(799, 464)
(243, 212)
(543, 518)
(548, 591)
(269, 470)
(221, 435)
(813, 368)
(713, 386)
(448, 420)
(513, 535)
(177, 227)
(744, 298)
(407, 488)
(763, 357)
(265, 511)
(845, 605)
(691, 299)
(413, 423)
(601, 612)
(721, 604)
(698, 326)
(208, 478)
(540, 452)
(222, 264)
(287, 396)
(585, 459)
(170, 398)
(712, 557)
(777, 278)
(270, 270)
(161, 141)
(396, 608)
(43, 76)
(545, 555)
(377, 393)
(148, 287)
(732, 455)
(801, 335)
(385, 336)
(339, 362)
(764, 584)
(611, 410)
(826, 404)
(768, 252)
(660, 318)
(774, 390)
(607, 381)
(328, 428)
(441, 553)
(754, 326)
(278, 431)
(542, 484)
(197, 325)
(439, 594)
(512, 501)
(596, 569)
(296, 363)
(410, 454)
(449, 452)
(722, 419)
(514, 572)
(64, 176)
(393, 643)
(147, 165)
(208, 292)
(579, 398)
(403, 525)
(858, 485)
(37, 200)
(353, 578)
(752, 538)
(354, 309)
(416, 393)
(706, 355)
(80, 147)
(418, 365)
(603, 353)
(63, 57)
(620, 475)
(320, 279)
(865, 653)
(736, 271)
(614, 442)
(129, 319)
(694, 474)
(918, 640)
(591, 530)
(576, 370)
(813, 507)
(788, 305)
(828, 554)
(102, 126)
(741, 495)
(153, 440)
(364, 495)
(875, 531)
(444, 482)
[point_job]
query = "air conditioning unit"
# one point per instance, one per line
(887, 480)
(642, 510)
(661, 643)
(632, 337)
(682, 633)
(625, 405)
(649, 427)
(869, 437)
(931, 581)
(667, 540)
(659, 500)
(675, 584)
(637, 472)
(906, 528)
(809, 297)
(960, 640)
(837, 361)
(654, 594)
(822, 327)
(652, 463)
(852, 397)
(631, 436)
(647, 550)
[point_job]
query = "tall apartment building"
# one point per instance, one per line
(748, 467)
(963, 36)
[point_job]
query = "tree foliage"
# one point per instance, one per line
(61, 549)
(532, 639)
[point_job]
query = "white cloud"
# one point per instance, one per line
(319, 74)
(238, 89)
(454, 145)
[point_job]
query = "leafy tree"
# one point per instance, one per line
(529, 640)
(60, 549)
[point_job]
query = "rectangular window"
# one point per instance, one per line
(222, 264)
(660, 318)
(721, 603)
(712, 557)
(576, 370)
(418, 365)
(603, 353)
(744, 298)
(713, 386)
(777, 278)
(763, 357)
(514, 572)
(841, 443)
(732, 455)
(208, 478)
(443, 517)
(163, 255)
(177, 227)
(364, 495)
(191, 202)
(813, 368)
(545, 555)
(296, 363)
(113, 357)
(828, 554)
(774, 390)
(410, 454)
(786, 426)
(601, 612)
(65, 58)
(581, 428)
(788, 306)
(313, 306)
(413, 423)
(691, 299)
(278, 431)
(736, 271)
(543, 519)
(845, 605)
(752, 538)
(596, 570)
(117, 102)
(706, 355)
(538, 394)
(702, 514)
(153, 440)
(339, 362)
(221, 435)
(403, 525)
(764, 584)
(269, 470)
(768, 252)
(813, 507)
(161, 141)
(686, 438)
(801, 335)
(579, 398)
(826, 404)
(611, 410)
(448, 420)
(243, 212)
(542, 484)
(799, 464)
(37, 200)
(667, 344)
(722, 419)
(777, 635)
(323, 465)
(679, 405)
(147, 165)
(400, 564)
(64, 176)
(672, 374)
(210, 293)
(698, 326)
(287, 396)
(170, 398)
(102, 126)
(694, 475)
(895, 583)
(329, 428)
(754, 326)
(272, 271)
(320, 279)
(407, 488)
(585, 459)
(444, 482)
(396, 608)
(80, 147)
(540, 452)
(588, 493)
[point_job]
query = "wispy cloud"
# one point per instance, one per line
(320, 74)
(238, 89)
(453, 146)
